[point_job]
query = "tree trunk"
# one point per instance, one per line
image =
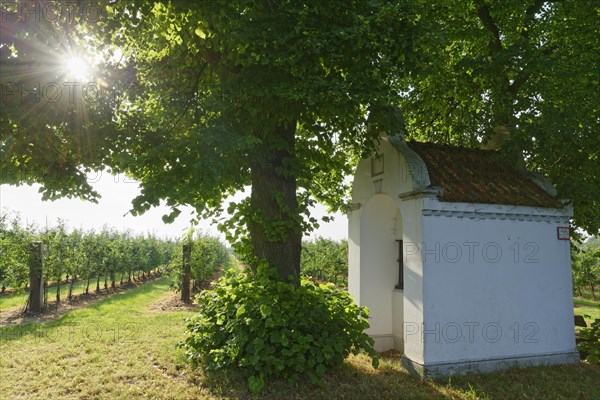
(593, 292)
(36, 277)
(70, 295)
(186, 274)
(98, 283)
(275, 230)
(46, 293)
(87, 285)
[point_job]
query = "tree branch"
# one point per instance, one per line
(189, 100)
(211, 56)
(519, 81)
(528, 19)
(530, 16)
(483, 12)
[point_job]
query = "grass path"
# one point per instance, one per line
(587, 306)
(123, 348)
(117, 348)
(18, 300)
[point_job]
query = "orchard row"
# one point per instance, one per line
(97, 259)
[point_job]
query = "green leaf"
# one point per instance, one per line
(593, 359)
(241, 310)
(199, 32)
(256, 384)
(265, 310)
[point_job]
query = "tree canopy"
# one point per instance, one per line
(222, 95)
(529, 69)
(198, 100)
(586, 265)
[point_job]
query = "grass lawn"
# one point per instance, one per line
(19, 299)
(12, 300)
(587, 306)
(122, 347)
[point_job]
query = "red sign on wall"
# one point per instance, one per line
(562, 233)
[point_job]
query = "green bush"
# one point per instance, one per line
(273, 329)
(590, 345)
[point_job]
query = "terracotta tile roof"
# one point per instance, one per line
(479, 176)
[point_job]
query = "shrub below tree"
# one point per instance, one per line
(590, 343)
(272, 329)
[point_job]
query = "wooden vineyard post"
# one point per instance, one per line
(186, 275)
(36, 277)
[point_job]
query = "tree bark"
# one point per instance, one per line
(70, 295)
(275, 228)
(58, 290)
(186, 274)
(36, 277)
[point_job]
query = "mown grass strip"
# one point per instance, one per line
(122, 348)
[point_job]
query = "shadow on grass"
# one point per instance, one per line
(579, 302)
(579, 381)
(355, 379)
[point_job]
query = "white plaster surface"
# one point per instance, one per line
(484, 285)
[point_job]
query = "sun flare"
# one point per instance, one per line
(77, 67)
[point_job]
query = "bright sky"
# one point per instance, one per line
(112, 209)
